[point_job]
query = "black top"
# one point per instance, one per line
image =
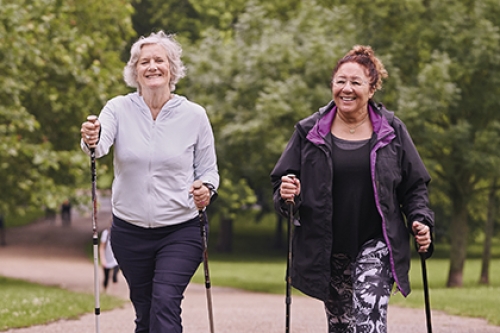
(355, 216)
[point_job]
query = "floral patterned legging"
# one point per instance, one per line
(360, 290)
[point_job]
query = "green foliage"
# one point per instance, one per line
(189, 19)
(258, 84)
(450, 109)
(258, 67)
(233, 196)
(59, 63)
(26, 304)
(173, 16)
(26, 217)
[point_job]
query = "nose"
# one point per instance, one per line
(152, 67)
(347, 86)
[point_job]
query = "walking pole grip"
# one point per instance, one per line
(92, 119)
(290, 201)
(197, 185)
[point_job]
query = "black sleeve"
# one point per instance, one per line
(288, 163)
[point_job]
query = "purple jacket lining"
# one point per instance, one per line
(385, 134)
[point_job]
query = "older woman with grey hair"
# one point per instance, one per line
(163, 143)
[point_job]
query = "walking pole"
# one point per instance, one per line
(288, 299)
(426, 293)
(201, 212)
(95, 242)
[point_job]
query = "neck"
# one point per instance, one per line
(354, 120)
(351, 126)
(156, 99)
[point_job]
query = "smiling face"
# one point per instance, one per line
(351, 89)
(153, 70)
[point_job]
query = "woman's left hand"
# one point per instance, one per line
(422, 234)
(201, 195)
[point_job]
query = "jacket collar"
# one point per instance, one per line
(321, 128)
(175, 101)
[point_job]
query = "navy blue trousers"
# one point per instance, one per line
(158, 264)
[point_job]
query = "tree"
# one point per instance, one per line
(59, 62)
(451, 111)
(257, 84)
(443, 61)
(484, 277)
(189, 18)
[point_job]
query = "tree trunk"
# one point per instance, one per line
(459, 232)
(488, 232)
(225, 240)
(278, 235)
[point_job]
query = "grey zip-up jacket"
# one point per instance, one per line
(399, 179)
(156, 161)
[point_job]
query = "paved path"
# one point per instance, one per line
(49, 253)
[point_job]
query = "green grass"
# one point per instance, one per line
(472, 300)
(253, 276)
(18, 220)
(255, 266)
(25, 304)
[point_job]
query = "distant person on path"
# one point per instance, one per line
(360, 190)
(108, 260)
(163, 143)
(2, 231)
(66, 212)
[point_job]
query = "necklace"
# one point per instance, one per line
(352, 129)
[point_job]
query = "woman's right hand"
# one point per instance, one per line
(90, 132)
(290, 187)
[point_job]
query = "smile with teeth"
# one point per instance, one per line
(348, 98)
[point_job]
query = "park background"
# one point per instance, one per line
(258, 67)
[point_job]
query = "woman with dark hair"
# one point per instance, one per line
(360, 190)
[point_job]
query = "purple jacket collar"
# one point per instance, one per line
(322, 127)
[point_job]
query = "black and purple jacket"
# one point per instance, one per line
(399, 179)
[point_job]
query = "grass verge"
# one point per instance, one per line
(18, 220)
(26, 304)
(471, 301)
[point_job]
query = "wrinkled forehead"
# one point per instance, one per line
(148, 50)
(352, 70)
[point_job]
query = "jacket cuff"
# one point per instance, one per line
(213, 191)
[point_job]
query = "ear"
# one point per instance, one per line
(372, 92)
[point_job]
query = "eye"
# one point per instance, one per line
(356, 83)
(339, 82)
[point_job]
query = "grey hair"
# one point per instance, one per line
(174, 52)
